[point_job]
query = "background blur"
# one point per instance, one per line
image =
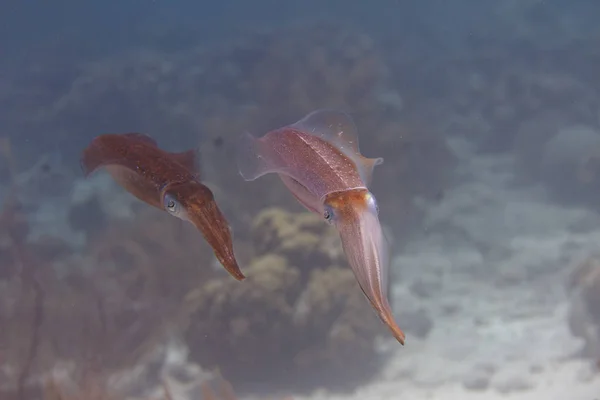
(487, 115)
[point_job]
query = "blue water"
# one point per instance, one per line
(487, 117)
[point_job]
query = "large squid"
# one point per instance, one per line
(319, 161)
(167, 181)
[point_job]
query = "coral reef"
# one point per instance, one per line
(70, 383)
(298, 320)
(105, 309)
(141, 281)
(529, 85)
(584, 315)
(53, 310)
(155, 255)
(144, 277)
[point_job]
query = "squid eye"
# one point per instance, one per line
(328, 214)
(171, 205)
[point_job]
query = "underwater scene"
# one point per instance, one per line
(252, 200)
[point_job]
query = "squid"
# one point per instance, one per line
(319, 161)
(165, 180)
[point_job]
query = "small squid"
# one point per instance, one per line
(167, 181)
(319, 161)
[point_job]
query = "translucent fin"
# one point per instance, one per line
(251, 162)
(338, 128)
(142, 137)
(366, 166)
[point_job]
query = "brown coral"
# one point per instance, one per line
(156, 255)
(298, 314)
(107, 308)
(303, 239)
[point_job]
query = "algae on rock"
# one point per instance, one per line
(298, 319)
